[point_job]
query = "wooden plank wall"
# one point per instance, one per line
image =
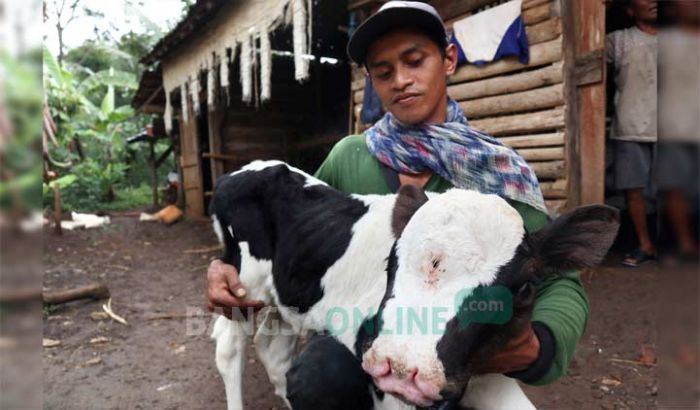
(522, 105)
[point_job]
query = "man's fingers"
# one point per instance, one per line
(237, 288)
(223, 297)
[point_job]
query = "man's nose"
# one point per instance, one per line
(403, 78)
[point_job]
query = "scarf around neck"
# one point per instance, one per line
(464, 156)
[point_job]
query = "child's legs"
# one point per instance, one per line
(633, 169)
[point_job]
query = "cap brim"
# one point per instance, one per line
(387, 20)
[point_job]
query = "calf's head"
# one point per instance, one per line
(460, 285)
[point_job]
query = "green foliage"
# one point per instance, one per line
(20, 161)
(89, 98)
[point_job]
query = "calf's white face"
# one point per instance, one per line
(449, 247)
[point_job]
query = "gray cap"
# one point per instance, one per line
(392, 15)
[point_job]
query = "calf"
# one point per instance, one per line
(311, 251)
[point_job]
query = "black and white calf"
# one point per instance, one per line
(320, 256)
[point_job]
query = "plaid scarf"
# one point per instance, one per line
(466, 157)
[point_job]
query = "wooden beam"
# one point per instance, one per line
(589, 67)
(536, 140)
(548, 169)
(537, 14)
(547, 75)
(164, 156)
(450, 9)
(540, 54)
(152, 109)
(554, 189)
(544, 31)
(533, 122)
(542, 154)
(151, 98)
(536, 99)
(220, 157)
(528, 4)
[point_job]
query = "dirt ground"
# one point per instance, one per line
(168, 363)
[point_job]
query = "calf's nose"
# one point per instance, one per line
(409, 384)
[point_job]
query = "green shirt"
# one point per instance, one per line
(561, 302)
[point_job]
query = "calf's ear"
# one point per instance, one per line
(409, 199)
(578, 239)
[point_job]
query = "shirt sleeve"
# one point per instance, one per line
(610, 48)
(562, 306)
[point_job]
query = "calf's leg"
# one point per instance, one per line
(495, 392)
(275, 346)
(230, 336)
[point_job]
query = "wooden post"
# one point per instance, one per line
(154, 166)
(57, 208)
(215, 118)
(591, 15)
(584, 76)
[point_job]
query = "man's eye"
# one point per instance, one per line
(384, 75)
(415, 63)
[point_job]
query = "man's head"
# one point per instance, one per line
(644, 11)
(405, 50)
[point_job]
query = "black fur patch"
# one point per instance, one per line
(303, 231)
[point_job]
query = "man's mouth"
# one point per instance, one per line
(406, 98)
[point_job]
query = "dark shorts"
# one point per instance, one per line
(633, 164)
(678, 167)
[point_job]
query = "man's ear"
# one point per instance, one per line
(408, 201)
(578, 239)
(451, 59)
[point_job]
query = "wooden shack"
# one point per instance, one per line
(245, 80)
(550, 110)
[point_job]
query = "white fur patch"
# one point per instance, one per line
(217, 228)
(260, 165)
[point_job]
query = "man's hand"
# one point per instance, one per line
(517, 355)
(224, 290)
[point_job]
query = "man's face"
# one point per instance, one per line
(643, 10)
(410, 75)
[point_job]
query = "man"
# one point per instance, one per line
(425, 140)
